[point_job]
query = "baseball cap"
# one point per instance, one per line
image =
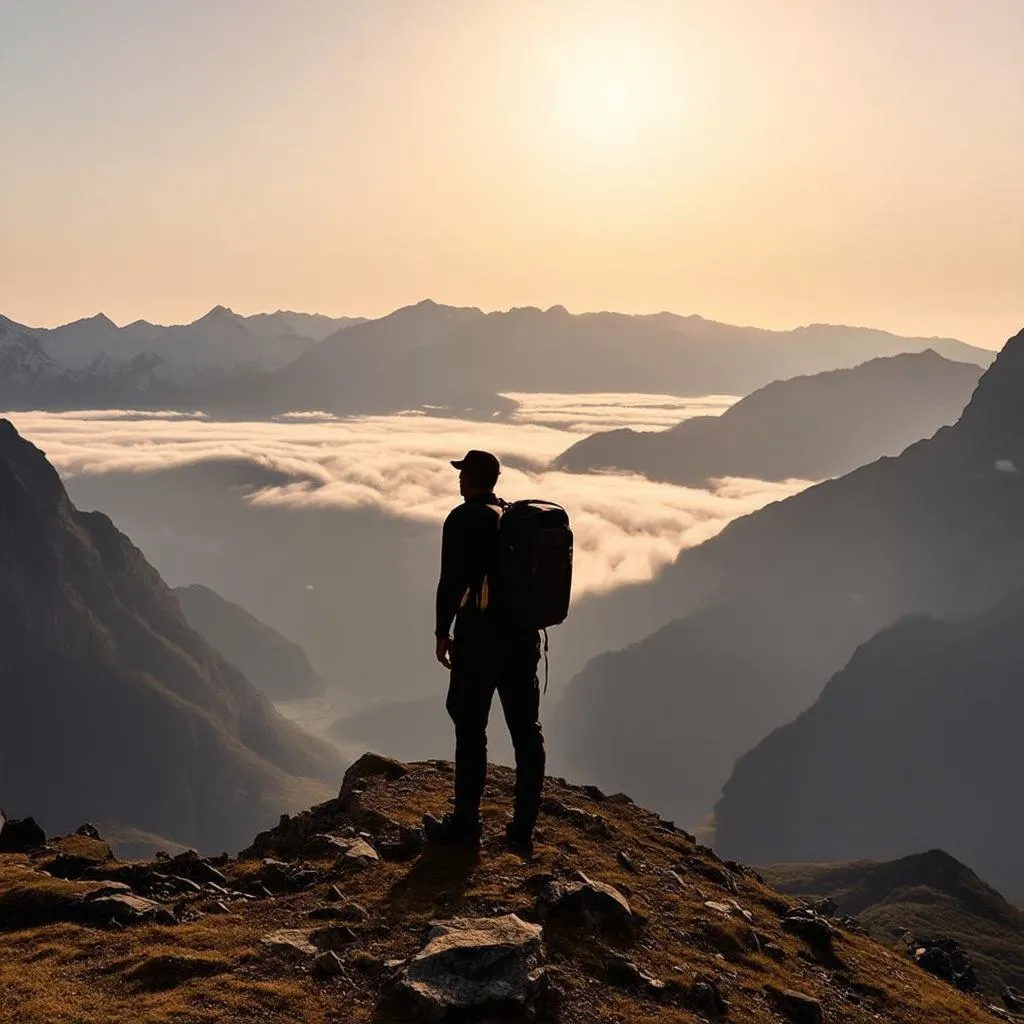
(478, 462)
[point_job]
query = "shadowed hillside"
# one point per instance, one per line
(767, 611)
(805, 428)
(114, 709)
(270, 661)
(927, 894)
(938, 705)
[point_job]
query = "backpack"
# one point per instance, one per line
(534, 563)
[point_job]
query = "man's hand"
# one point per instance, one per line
(444, 651)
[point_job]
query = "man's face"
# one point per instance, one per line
(464, 485)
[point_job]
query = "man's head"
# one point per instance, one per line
(478, 473)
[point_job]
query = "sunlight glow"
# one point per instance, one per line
(611, 99)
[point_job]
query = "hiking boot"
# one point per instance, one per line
(452, 831)
(519, 838)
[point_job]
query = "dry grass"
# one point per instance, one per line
(59, 973)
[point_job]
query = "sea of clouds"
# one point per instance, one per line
(626, 527)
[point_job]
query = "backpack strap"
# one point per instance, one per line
(545, 632)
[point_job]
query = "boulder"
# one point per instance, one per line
(948, 960)
(290, 940)
(812, 929)
(799, 1008)
(122, 909)
(367, 767)
(21, 835)
(358, 856)
(190, 865)
(707, 999)
(90, 831)
(476, 966)
(328, 965)
(591, 905)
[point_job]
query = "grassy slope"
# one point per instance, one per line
(62, 973)
(931, 895)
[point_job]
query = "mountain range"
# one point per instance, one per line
(758, 618)
(805, 428)
(114, 708)
(455, 358)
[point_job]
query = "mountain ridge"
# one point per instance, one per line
(859, 415)
(100, 660)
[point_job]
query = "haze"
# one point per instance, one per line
(774, 163)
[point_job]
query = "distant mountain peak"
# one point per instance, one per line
(100, 320)
(219, 313)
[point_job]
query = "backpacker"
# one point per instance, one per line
(534, 563)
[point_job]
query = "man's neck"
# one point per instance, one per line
(482, 496)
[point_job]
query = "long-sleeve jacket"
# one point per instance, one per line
(469, 552)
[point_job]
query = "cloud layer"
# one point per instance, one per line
(626, 527)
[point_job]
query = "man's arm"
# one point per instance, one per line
(454, 578)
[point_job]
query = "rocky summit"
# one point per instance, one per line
(342, 914)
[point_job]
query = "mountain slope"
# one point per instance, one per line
(116, 710)
(911, 695)
(765, 612)
(928, 894)
(805, 428)
(619, 917)
(271, 662)
(461, 357)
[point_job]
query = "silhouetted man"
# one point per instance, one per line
(485, 655)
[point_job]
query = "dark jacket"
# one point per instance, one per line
(469, 553)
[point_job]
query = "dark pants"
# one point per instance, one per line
(488, 658)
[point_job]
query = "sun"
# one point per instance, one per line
(611, 101)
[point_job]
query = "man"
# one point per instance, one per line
(485, 655)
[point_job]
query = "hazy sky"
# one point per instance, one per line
(759, 161)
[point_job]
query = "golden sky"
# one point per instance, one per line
(772, 162)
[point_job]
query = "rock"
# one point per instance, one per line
(721, 908)
(354, 913)
(813, 930)
(274, 875)
(773, 951)
(170, 969)
(370, 766)
(359, 856)
(122, 909)
(304, 879)
(109, 889)
(706, 998)
(320, 845)
(626, 861)
(402, 843)
(799, 1008)
(21, 835)
(620, 970)
(1013, 999)
(89, 830)
(328, 965)
(190, 865)
(476, 966)
(333, 937)
(592, 905)
(947, 959)
(825, 907)
(290, 940)
(592, 824)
